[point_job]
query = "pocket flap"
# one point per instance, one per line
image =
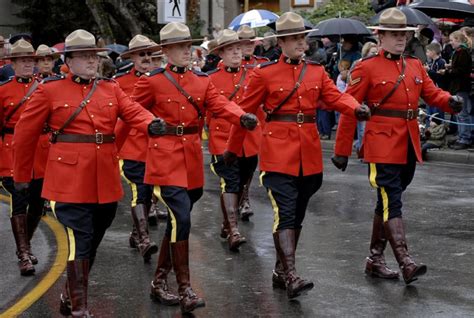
(66, 157)
(379, 128)
(276, 131)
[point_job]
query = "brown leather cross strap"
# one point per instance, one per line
(394, 88)
(98, 138)
(239, 85)
(409, 114)
(184, 93)
(180, 130)
(299, 118)
(21, 102)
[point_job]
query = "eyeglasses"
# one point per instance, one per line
(142, 54)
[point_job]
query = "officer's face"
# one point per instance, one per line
(248, 47)
(83, 64)
(293, 46)
(142, 61)
(393, 41)
(23, 66)
(231, 55)
(45, 64)
(178, 54)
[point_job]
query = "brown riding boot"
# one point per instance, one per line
(245, 210)
(78, 278)
(285, 244)
(225, 223)
(396, 235)
(159, 285)
(145, 246)
(133, 240)
(32, 222)
(230, 205)
(65, 302)
(188, 300)
(376, 265)
(278, 275)
(19, 227)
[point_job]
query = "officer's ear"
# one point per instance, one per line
(67, 58)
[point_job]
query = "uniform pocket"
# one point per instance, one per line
(63, 168)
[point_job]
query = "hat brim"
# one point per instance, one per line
(152, 48)
(392, 29)
(288, 34)
(257, 38)
(226, 44)
(180, 41)
(86, 49)
(10, 57)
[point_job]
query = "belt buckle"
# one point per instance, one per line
(300, 118)
(179, 130)
(410, 114)
(99, 138)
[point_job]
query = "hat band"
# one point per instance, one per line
(246, 38)
(172, 40)
(287, 31)
(233, 41)
(146, 46)
(393, 26)
(75, 47)
(22, 54)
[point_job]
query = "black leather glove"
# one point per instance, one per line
(248, 121)
(157, 127)
(456, 103)
(362, 112)
(229, 158)
(22, 187)
(340, 162)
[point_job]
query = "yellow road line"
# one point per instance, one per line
(50, 278)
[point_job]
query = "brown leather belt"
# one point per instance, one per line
(11, 130)
(180, 130)
(405, 114)
(98, 138)
(299, 118)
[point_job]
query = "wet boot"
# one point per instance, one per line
(19, 227)
(245, 210)
(133, 239)
(278, 275)
(159, 285)
(32, 223)
(285, 244)
(77, 283)
(145, 246)
(225, 223)
(396, 235)
(376, 265)
(230, 205)
(188, 300)
(65, 300)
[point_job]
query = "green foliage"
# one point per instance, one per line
(358, 9)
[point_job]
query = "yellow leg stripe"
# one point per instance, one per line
(157, 192)
(276, 214)
(7, 198)
(222, 181)
(72, 244)
(384, 203)
(52, 204)
(133, 186)
(261, 177)
(373, 175)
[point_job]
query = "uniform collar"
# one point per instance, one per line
(44, 75)
(391, 56)
(79, 80)
(232, 69)
(291, 61)
(24, 79)
(137, 73)
(247, 58)
(178, 69)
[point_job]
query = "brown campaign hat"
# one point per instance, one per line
(247, 33)
(43, 51)
(140, 43)
(392, 19)
(81, 40)
(290, 23)
(21, 48)
(175, 32)
(226, 38)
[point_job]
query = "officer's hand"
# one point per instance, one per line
(362, 112)
(229, 158)
(157, 127)
(248, 121)
(456, 103)
(340, 162)
(21, 187)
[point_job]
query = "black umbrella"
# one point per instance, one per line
(414, 16)
(339, 26)
(445, 8)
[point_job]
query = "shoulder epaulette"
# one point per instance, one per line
(199, 73)
(155, 71)
(312, 62)
(261, 57)
(121, 74)
(53, 78)
(7, 81)
(262, 65)
(213, 71)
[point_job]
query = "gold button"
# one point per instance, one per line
(169, 100)
(92, 116)
(281, 89)
(222, 92)
(182, 124)
(295, 68)
(97, 130)
(28, 98)
(66, 105)
(300, 97)
(237, 97)
(235, 75)
(217, 128)
(270, 133)
(155, 145)
(182, 76)
(184, 139)
(26, 85)
(85, 87)
(383, 82)
(7, 144)
(182, 107)
(11, 104)
(59, 158)
(299, 126)
(88, 101)
(98, 147)
(199, 98)
(408, 89)
(316, 87)
(110, 104)
(409, 104)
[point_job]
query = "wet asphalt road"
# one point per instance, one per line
(439, 216)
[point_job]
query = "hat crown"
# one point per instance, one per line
(140, 41)
(246, 33)
(21, 47)
(289, 21)
(80, 38)
(393, 16)
(174, 30)
(44, 50)
(226, 36)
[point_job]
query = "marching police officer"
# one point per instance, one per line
(45, 58)
(391, 85)
(133, 151)
(290, 152)
(174, 160)
(82, 177)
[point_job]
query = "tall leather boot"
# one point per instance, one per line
(78, 278)
(145, 246)
(396, 235)
(231, 201)
(19, 227)
(133, 239)
(65, 300)
(159, 285)
(245, 210)
(188, 300)
(285, 244)
(376, 265)
(32, 222)
(278, 275)
(225, 223)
